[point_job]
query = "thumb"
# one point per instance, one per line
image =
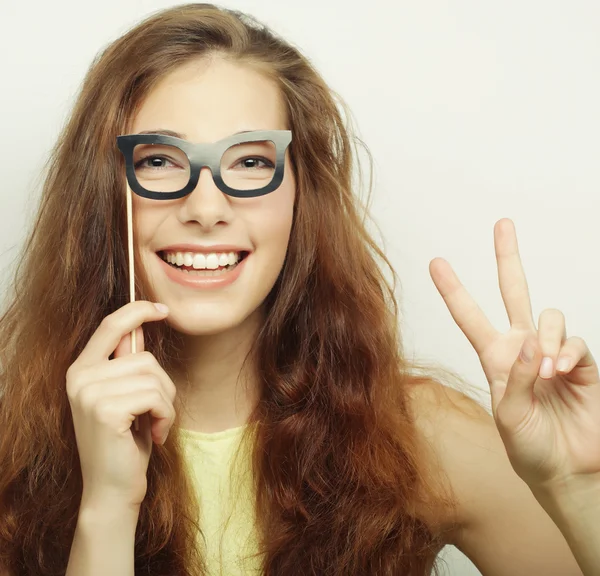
(524, 373)
(124, 346)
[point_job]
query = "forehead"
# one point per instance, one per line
(206, 100)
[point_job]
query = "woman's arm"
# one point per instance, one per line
(499, 525)
(104, 541)
(576, 512)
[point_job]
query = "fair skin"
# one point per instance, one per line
(500, 525)
(206, 103)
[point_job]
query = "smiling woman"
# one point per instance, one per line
(282, 430)
(210, 100)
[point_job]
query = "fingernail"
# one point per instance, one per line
(161, 308)
(546, 368)
(563, 364)
(527, 353)
(165, 438)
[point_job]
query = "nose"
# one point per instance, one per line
(206, 203)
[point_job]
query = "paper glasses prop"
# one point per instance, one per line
(161, 166)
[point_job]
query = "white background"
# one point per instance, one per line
(474, 111)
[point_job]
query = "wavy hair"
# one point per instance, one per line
(337, 463)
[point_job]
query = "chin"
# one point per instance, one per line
(202, 324)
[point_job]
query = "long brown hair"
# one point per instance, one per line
(336, 457)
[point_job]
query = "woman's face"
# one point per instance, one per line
(205, 102)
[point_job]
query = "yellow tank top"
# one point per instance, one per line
(226, 508)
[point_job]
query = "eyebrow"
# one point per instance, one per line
(177, 134)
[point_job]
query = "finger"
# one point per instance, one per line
(466, 313)
(511, 276)
(90, 395)
(551, 334)
(114, 327)
(124, 346)
(119, 412)
(581, 366)
(517, 401)
(139, 364)
(126, 367)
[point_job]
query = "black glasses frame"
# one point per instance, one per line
(205, 155)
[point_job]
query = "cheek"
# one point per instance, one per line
(272, 221)
(147, 214)
(148, 217)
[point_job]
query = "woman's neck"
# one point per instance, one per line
(220, 390)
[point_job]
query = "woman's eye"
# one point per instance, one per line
(153, 162)
(253, 163)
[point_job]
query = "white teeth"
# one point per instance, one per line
(201, 261)
(212, 261)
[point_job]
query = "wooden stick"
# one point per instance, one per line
(136, 423)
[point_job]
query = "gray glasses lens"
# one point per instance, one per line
(161, 168)
(250, 165)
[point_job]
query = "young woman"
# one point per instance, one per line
(281, 430)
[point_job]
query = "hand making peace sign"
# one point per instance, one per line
(548, 416)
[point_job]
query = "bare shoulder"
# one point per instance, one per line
(497, 522)
(443, 416)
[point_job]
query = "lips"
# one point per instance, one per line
(207, 282)
(204, 248)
